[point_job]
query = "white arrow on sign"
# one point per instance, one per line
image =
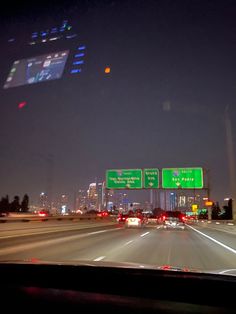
(151, 183)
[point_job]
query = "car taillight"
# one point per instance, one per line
(164, 218)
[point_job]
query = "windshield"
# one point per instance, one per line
(115, 109)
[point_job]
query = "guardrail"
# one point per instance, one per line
(32, 217)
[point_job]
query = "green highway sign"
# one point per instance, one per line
(183, 178)
(151, 178)
(124, 179)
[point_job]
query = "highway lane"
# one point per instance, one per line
(222, 236)
(150, 245)
(16, 229)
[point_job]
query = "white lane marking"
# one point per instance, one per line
(96, 232)
(142, 235)
(99, 258)
(159, 227)
(214, 240)
(128, 242)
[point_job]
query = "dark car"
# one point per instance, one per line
(122, 217)
(152, 219)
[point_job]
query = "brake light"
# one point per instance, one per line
(164, 218)
(42, 214)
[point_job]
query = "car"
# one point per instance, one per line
(173, 223)
(137, 221)
(152, 219)
(103, 214)
(4, 214)
(44, 213)
(173, 219)
(122, 217)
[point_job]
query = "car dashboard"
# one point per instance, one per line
(89, 289)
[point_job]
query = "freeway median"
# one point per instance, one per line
(28, 217)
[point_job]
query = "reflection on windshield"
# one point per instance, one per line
(117, 134)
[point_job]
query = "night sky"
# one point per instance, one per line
(172, 75)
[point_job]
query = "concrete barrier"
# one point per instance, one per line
(220, 225)
(20, 217)
(218, 222)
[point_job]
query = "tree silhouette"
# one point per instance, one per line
(4, 204)
(15, 204)
(25, 203)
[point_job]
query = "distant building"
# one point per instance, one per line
(81, 200)
(62, 204)
(181, 199)
(92, 196)
(100, 195)
(43, 201)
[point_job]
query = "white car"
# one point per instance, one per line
(134, 222)
(173, 223)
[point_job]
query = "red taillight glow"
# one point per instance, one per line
(21, 104)
(164, 217)
(42, 214)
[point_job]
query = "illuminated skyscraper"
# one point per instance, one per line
(81, 200)
(101, 195)
(92, 195)
(64, 204)
(43, 201)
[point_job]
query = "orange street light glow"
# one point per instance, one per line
(107, 70)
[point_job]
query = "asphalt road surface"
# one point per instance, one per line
(197, 247)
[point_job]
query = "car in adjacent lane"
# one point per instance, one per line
(122, 217)
(137, 221)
